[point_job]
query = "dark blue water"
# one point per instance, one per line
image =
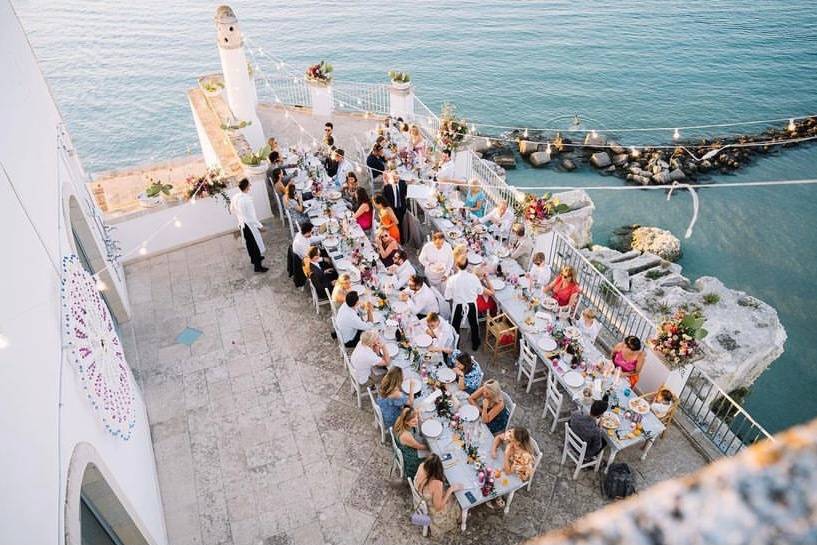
(119, 72)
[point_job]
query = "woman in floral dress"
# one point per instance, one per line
(442, 505)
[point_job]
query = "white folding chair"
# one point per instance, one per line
(318, 302)
(537, 459)
(553, 402)
(576, 449)
(291, 225)
(397, 463)
(343, 350)
(418, 503)
(279, 206)
(528, 364)
(378, 416)
(332, 304)
(356, 388)
(511, 406)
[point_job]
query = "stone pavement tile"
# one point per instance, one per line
(213, 517)
(183, 526)
(309, 534)
(196, 394)
(246, 531)
(569, 502)
(324, 484)
(343, 525)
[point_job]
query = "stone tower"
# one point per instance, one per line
(239, 85)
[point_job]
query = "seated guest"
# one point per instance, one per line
(589, 326)
(662, 402)
(305, 238)
(369, 353)
(522, 246)
(390, 396)
(469, 373)
(588, 429)
(272, 144)
(275, 160)
(293, 202)
(365, 210)
(629, 357)
(460, 253)
(539, 273)
(386, 247)
(443, 509)
(446, 181)
(564, 288)
(402, 269)
(376, 162)
(501, 216)
(349, 323)
(275, 178)
(518, 459)
(408, 440)
(443, 336)
(321, 276)
(419, 296)
(342, 287)
(437, 259)
(475, 200)
(492, 410)
(386, 217)
(344, 167)
(416, 141)
(349, 189)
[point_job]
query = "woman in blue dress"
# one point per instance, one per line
(475, 201)
(391, 398)
(491, 403)
(469, 373)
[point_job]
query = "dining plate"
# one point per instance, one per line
(502, 251)
(573, 379)
(435, 213)
(474, 258)
(423, 340)
(334, 195)
(640, 405)
(320, 220)
(469, 413)
(393, 349)
(343, 264)
(547, 344)
(406, 386)
(399, 307)
(573, 332)
(431, 428)
(428, 205)
(331, 242)
(454, 234)
(498, 284)
(610, 421)
(446, 375)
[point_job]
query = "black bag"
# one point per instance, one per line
(619, 482)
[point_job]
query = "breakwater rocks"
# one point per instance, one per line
(646, 239)
(678, 161)
(745, 334)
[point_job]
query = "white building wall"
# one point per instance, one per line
(37, 436)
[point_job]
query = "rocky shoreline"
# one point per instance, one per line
(686, 161)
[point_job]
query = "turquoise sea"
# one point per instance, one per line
(119, 72)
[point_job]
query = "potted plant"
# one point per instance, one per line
(676, 341)
(320, 73)
(452, 131)
(154, 194)
(211, 85)
(256, 162)
(212, 183)
(400, 80)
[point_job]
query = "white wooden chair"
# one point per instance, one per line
(397, 463)
(418, 503)
(344, 352)
(279, 206)
(529, 365)
(356, 388)
(537, 459)
(576, 450)
(291, 225)
(554, 399)
(332, 304)
(511, 406)
(378, 416)
(315, 299)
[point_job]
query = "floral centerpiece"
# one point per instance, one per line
(567, 344)
(452, 131)
(540, 210)
(211, 184)
(319, 73)
(444, 404)
(485, 478)
(677, 339)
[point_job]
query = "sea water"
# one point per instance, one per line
(119, 71)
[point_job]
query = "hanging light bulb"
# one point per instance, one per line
(278, 100)
(634, 152)
(526, 133)
(593, 133)
(193, 200)
(359, 102)
(359, 169)
(177, 222)
(302, 129)
(4, 341)
(101, 285)
(286, 114)
(143, 250)
(547, 149)
(676, 135)
(792, 127)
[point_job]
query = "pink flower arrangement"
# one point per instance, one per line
(677, 338)
(542, 208)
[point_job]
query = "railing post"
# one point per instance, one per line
(320, 94)
(401, 100)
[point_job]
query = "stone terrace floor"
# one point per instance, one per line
(258, 439)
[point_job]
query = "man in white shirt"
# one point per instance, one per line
(462, 289)
(502, 216)
(349, 323)
(446, 182)
(437, 258)
(402, 269)
(242, 206)
(344, 167)
(368, 354)
(442, 334)
(305, 238)
(522, 247)
(420, 298)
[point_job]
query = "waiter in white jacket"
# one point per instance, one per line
(244, 210)
(462, 289)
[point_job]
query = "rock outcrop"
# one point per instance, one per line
(647, 239)
(539, 158)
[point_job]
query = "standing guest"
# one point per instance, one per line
(437, 259)
(462, 289)
(417, 142)
(460, 255)
(342, 288)
(629, 357)
(492, 410)
(272, 144)
(242, 206)
(386, 247)
(386, 217)
(445, 174)
(344, 167)
(539, 273)
(443, 508)
(349, 323)
(410, 445)
(518, 457)
(394, 191)
(420, 298)
(321, 275)
(402, 269)
(564, 288)
(443, 337)
(589, 326)
(475, 200)
(293, 202)
(376, 162)
(328, 134)
(501, 216)
(369, 353)
(305, 238)
(588, 429)
(522, 246)
(364, 213)
(331, 162)
(469, 373)
(390, 398)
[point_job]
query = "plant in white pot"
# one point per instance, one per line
(154, 194)
(256, 162)
(399, 80)
(320, 73)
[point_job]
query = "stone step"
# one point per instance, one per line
(632, 254)
(640, 263)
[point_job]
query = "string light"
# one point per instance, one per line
(143, 250)
(792, 127)
(4, 342)
(634, 151)
(101, 285)
(676, 135)
(526, 133)
(177, 222)
(593, 133)
(547, 149)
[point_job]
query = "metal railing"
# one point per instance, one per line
(426, 119)
(287, 91)
(349, 96)
(494, 186)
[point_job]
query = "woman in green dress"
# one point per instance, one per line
(406, 441)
